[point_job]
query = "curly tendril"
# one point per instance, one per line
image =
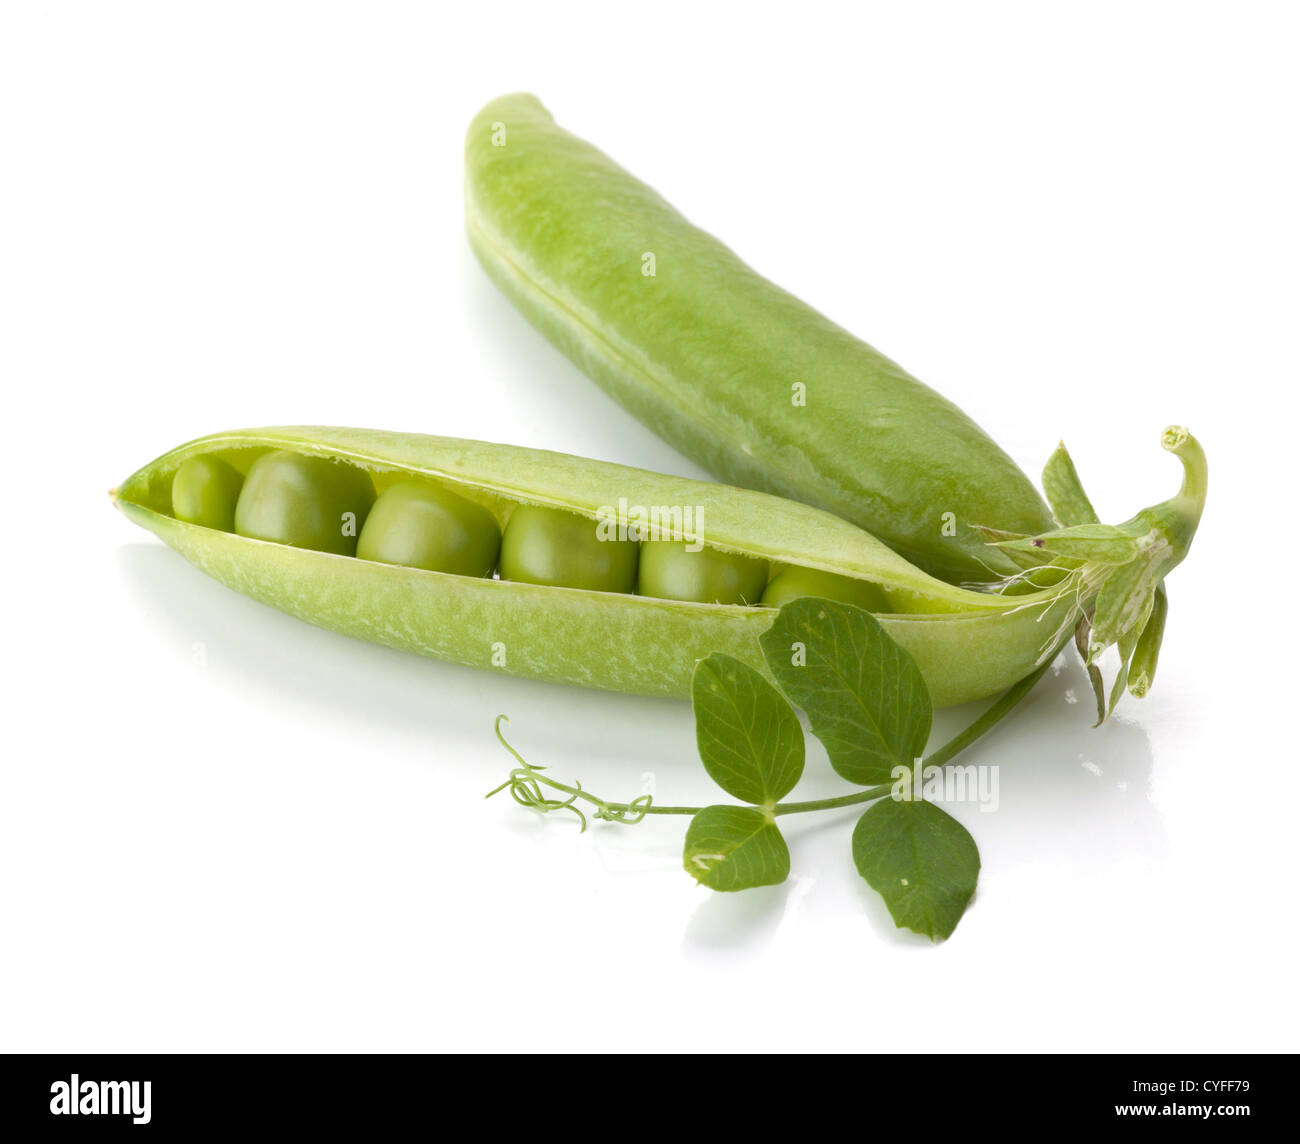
(526, 781)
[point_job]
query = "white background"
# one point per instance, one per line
(223, 829)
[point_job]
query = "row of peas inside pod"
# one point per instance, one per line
(332, 506)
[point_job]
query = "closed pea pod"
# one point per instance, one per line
(966, 644)
(757, 387)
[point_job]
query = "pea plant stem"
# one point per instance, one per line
(868, 795)
(525, 781)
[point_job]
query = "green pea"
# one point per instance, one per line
(421, 525)
(564, 550)
(305, 502)
(671, 571)
(205, 491)
(795, 581)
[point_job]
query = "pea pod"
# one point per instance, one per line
(759, 388)
(967, 644)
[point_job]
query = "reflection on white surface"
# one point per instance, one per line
(723, 922)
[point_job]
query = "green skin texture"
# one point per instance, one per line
(205, 492)
(796, 582)
(562, 550)
(671, 571)
(967, 644)
(706, 352)
(304, 502)
(420, 525)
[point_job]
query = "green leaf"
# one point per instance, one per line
(998, 535)
(735, 848)
(1001, 537)
(749, 737)
(863, 694)
(921, 860)
(1123, 604)
(1127, 644)
(1146, 655)
(1064, 490)
(1082, 641)
(1038, 568)
(1099, 543)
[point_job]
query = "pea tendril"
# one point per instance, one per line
(525, 782)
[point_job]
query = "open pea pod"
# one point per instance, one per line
(967, 644)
